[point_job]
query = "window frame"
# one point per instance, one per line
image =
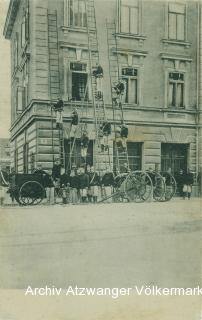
(175, 40)
(68, 15)
(25, 28)
(81, 72)
(139, 23)
(175, 107)
(137, 78)
(16, 50)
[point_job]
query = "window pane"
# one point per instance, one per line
(172, 32)
(178, 8)
(125, 94)
(180, 102)
(76, 12)
(125, 19)
(82, 12)
(79, 82)
(23, 33)
(19, 99)
(134, 20)
(132, 3)
(71, 13)
(171, 94)
(133, 91)
(180, 27)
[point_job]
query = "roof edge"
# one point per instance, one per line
(10, 18)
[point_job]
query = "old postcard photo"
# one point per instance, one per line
(100, 159)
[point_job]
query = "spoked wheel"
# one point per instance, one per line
(31, 193)
(170, 186)
(159, 188)
(138, 186)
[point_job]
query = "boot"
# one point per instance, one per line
(189, 195)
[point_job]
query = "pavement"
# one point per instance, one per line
(105, 245)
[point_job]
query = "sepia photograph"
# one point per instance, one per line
(100, 159)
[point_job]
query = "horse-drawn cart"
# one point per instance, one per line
(28, 189)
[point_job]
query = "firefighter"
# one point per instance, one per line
(107, 183)
(188, 182)
(74, 186)
(56, 173)
(105, 131)
(74, 123)
(119, 88)
(49, 186)
(83, 183)
(94, 183)
(58, 108)
(121, 135)
(65, 186)
(98, 74)
(84, 144)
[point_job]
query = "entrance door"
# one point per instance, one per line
(174, 156)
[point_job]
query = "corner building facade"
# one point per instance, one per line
(157, 50)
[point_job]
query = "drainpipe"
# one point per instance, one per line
(198, 88)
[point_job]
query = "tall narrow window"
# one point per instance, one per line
(25, 28)
(129, 16)
(16, 51)
(176, 90)
(25, 85)
(176, 21)
(79, 81)
(77, 9)
(25, 157)
(19, 99)
(130, 77)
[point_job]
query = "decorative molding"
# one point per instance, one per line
(76, 46)
(132, 52)
(173, 56)
(186, 44)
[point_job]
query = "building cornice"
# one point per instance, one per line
(10, 18)
(173, 56)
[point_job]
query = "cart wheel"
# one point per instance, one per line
(159, 188)
(31, 193)
(138, 186)
(170, 186)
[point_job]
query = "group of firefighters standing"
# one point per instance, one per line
(80, 184)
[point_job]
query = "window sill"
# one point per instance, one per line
(74, 29)
(175, 109)
(177, 42)
(131, 36)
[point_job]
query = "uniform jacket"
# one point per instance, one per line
(189, 178)
(94, 179)
(64, 179)
(48, 181)
(83, 181)
(84, 141)
(56, 171)
(75, 119)
(108, 179)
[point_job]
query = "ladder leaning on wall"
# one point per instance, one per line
(98, 103)
(54, 80)
(118, 113)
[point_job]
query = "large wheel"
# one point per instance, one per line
(170, 186)
(159, 187)
(138, 186)
(31, 193)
